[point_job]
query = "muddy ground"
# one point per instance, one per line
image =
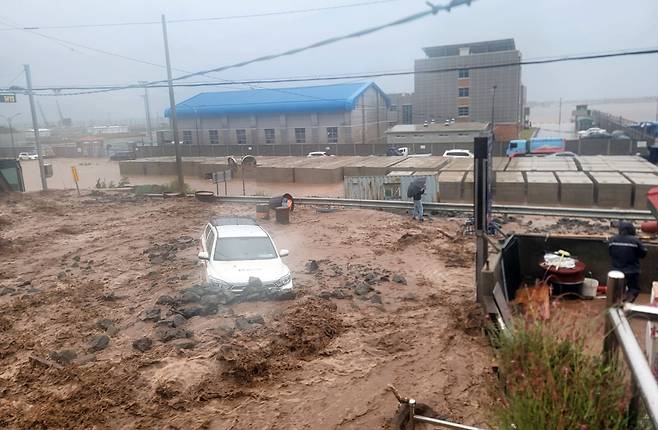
(103, 327)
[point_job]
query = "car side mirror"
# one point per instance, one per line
(284, 253)
(203, 255)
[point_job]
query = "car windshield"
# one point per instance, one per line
(244, 248)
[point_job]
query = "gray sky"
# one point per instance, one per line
(541, 28)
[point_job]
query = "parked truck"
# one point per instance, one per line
(536, 146)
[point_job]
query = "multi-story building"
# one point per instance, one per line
(457, 81)
(354, 113)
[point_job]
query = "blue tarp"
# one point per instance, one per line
(324, 98)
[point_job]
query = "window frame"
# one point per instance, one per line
(333, 139)
(459, 110)
(191, 137)
(213, 140)
(464, 73)
(241, 136)
(302, 131)
(271, 140)
(463, 89)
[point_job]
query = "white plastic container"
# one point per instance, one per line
(589, 288)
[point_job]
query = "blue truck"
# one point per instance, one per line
(539, 145)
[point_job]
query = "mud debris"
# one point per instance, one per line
(166, 252)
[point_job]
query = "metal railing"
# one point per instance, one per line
(618, 333)
(457, 207)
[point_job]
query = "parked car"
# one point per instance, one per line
(563, 154)
(397, 152)
(123, 155)
(318, 154)
(619, 135)
(591, 131)
(597, 135)
(234, 251)
(27, 156)
(458, 153)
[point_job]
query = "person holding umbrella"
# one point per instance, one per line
(416, 190)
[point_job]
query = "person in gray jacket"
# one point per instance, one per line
(626, 250)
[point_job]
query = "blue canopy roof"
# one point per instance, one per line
(323, 98)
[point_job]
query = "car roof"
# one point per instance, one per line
(225, 231)
(232, 220)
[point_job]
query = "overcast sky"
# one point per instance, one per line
(541, 28)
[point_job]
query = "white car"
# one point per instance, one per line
(563, 154)
(234, 251)
(591, 131)
(458, 153)
(319, 154)
(27, 156)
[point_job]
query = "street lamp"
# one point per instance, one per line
(11, 131)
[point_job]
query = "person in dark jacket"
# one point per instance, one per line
(626, 249)
(418, 204)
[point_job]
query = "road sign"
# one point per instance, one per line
(7, 98)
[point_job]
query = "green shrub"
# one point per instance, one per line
(552, 383)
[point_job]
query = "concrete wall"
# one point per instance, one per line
(437, 93)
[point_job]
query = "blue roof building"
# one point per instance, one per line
(323, 114)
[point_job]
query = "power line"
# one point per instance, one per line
(107, 88)
(433, 10)
(218, 18)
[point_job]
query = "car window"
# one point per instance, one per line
(244, 248)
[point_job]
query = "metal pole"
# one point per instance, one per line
(11, 136)
(35, 126)
(480, 210)
(147, 111)
(615, 289)
(172, 107)
(643, 378)
(559, 117)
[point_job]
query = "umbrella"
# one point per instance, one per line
(416, 186)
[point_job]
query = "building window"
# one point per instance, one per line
(213, 136)
(394, 108)
(463, 92)
(269, 135)
(241, 134)
(300, 135)
(407, 113)
(332, 134)
(187, 137)
(463, 73)
(462, 111)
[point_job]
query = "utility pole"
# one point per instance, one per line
(147, 110)
(172, 107)
(493, 110)
(559, 116)
(35, 126)
(11, 132)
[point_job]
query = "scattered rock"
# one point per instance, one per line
(76, 258)
(109, 297)
(143, 344)
(104, 324)
(152, 314)
(7, 290)
(326, 294)
(410, 297)
(362, 289)
(23, 283)
(165, 300)
(61, 275)
(165, 334)
(312, 266)
(190, 311)
(209, 309)
(190, 297)
(340, 294)
(64, 356)
(99, 343)
(247, 323)
(399, 279)
(178, 320)
(371, 278)
(376, 299)
(384, 278)
(184, 343)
